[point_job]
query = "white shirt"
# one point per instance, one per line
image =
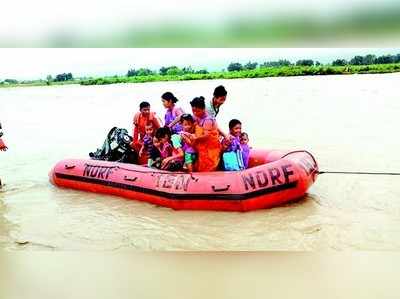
(211, 110)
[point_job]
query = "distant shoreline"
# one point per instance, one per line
(262, 72)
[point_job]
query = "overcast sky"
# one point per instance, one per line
(24, 64)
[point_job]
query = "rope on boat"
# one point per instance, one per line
(342, 172)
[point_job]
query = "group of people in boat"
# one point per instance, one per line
(189, 142)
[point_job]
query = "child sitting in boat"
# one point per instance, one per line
(171, 158)
(183, 142)
(244, 142)
(232, 157)
(147, 140)
(155, 158)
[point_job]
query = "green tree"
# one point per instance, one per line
(385, 59)
(188, 70)
(357, 60)
(144, 72)
(164, 70)
(132, 73)
(250, 65)
(339, 62)
(11, 81)
(369, 59)
(235, 66)
(305, 62)
(174, 71)
(63, 77)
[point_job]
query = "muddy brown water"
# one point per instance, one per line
(349, 123)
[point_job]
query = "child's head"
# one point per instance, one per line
(168, 99)
(149, 129)
(144, 108)
(156, 142)
(163, 134)
(235, 127)
(244, 138)
(198, 106)
(219, 95)
(187, 122)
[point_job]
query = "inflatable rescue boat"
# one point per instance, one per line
(273, 178)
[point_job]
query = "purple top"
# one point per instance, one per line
(245, 154)
(178, 142)
(166, 150)
(234, 145)
(148, 143)
(170, 116)
(201, 121)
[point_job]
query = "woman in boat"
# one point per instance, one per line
(173, 113)
(206, 138)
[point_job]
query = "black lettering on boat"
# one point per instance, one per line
(182, 182)
(87, 169)
(248, 179)
(169, 181)
(158, 179)
(274, 176)
(286, 172)
(96, 171)
(109, 171)
(262, 182)
(102, 172)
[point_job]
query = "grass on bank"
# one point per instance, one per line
(261, 72)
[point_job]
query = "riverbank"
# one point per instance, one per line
(261, 72)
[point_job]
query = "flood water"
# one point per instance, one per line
(350, 123)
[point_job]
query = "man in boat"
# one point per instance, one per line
(213, 106)
(3, 147)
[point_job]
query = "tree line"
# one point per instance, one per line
(236, 66)
(368, 59)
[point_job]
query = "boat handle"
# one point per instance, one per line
(69, 166)
(215, 189)
(126, 178)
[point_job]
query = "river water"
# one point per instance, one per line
(349, 122)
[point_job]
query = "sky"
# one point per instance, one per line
(37, 63)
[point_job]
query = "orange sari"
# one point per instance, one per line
(209, 150)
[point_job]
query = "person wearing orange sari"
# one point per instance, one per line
(140, 120)
(206, 137)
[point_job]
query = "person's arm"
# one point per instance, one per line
(156, 122)
(166, 161)
(225, 135)
(177, 119)
(142, 149)
(3, 147)
(188, 138)
(207, 127)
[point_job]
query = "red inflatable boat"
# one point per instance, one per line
(273, 178)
